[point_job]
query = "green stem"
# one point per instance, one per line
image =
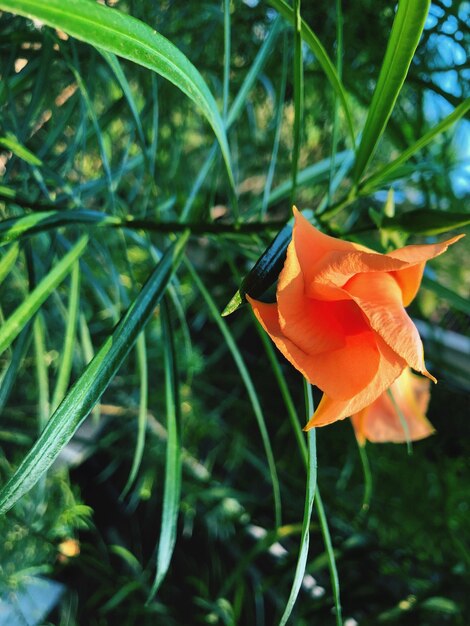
(325, 531)
(367, 478)
(310, 490)
(298, 96)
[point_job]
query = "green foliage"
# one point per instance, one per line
(189, 486)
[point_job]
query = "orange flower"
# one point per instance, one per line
(398, 414)
(340, 319)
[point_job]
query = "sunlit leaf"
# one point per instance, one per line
(403, 41)
(172, 488)
(7, 261)
(66, 361)
(10, 142)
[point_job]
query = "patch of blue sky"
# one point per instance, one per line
(449, 53)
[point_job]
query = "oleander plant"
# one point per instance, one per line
(234, 312)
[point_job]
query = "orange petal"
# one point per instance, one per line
(304, 321)
(330, 410)
(340, 373)
(336, 269)
(381, 422)
(314, 325)
(313, 246)
(380, 299)
(338, 266)
(410, 277)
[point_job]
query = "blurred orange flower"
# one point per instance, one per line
(398, 414)
(339, 317)
(68, 549)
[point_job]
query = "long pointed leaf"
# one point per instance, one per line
(11, 143)
(65, 367)
(115, 66)
(114, 31)
(7, 261)
(310, 491)
(141, 350)
(406, 33)
(172, 489)
(92, 383)
(41, 370)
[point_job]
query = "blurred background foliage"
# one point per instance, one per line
(79, 132)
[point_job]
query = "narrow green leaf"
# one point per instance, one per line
(121, 594)
(66, 361)
(126, 555)
(324, 60)
(310, 490)
(88, 354)
(6, 192)
(123, 35)
(237, 357)
(172, 487)
(302, 448)
(403, 41)
(9, 374)
(17, 321)
(426, 222)
(7, 261)
(115, 66)
(385, 173)
(298, 96)
(92, 383)
(41, 371)
(141, 350)
(10, 142)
